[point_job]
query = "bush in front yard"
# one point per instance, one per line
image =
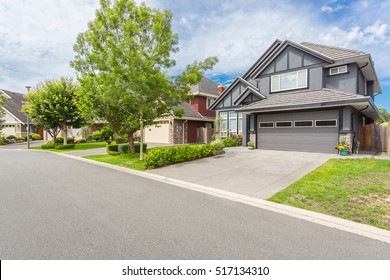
(120, 140)
(59, 139)
(96, 135)
(48, 145)
(65, 147)
(113, 147)
(82, 140)
(70, 140)
(2, 141)
(137, 147)
(229, 142)
(35, 136)
(167, 155)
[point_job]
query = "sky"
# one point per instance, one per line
(37, 37)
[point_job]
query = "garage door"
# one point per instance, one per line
(157, 134)
(303, 131)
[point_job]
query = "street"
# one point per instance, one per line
(52, 207)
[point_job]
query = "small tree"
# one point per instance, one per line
(385, 114)
(3, 100)
(53, 105)
(121, 62)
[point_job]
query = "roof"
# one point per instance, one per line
(191, 113)
(318, 97)
(334, 53)
(206, 86)
(14, 104)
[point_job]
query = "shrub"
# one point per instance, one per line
(89, 138)
(59, 139)
(35, 136)
(11, 139)
(137, 147)
(113, 147)
(229, 142)
(166, 155)
(106, 133)
(70, 140)
(124, 149)
(48, 145)
(96, 135)
(217, 144)
(120, 140)
(23, 138)
(2, 141)
(82, 140)
(64, 147)
(112, 153)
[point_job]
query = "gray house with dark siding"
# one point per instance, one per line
(301, 97)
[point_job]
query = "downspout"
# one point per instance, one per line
(183, 129)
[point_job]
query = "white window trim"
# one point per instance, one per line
(340, 70)
(276, 126)
(211, 100)
(285, 89)
(326, 125)
(312, 123)
(273, 125)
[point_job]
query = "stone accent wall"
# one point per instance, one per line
(346, 136)
(252, 138)
(176, 133)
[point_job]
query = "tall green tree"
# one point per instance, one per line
(121, 62)
(3, 100)
(385, 114)
(53, 105)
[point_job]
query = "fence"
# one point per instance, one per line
(375, 137)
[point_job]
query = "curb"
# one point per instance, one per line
(321, 219)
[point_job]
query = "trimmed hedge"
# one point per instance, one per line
(137, 147)
(157, 157)
(35, 136)
(82, 140)
(112, 147)
(59, 139)
(112, 153)
(64, 147)
(48, 145)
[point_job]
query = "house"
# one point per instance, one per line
(15, 120)
(196, 123)
(301, 97)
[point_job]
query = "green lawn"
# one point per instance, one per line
(353, 189)
(125, 160)
(78, 147)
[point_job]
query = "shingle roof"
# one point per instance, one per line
(206, 86)
(14, 105)
(334, 53)
(303, 98)
(189, 112)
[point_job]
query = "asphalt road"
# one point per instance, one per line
(52, 207)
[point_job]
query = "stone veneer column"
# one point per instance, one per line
(348, 137)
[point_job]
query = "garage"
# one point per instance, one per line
(313, 131)
(157, 133)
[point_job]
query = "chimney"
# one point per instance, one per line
(221, 88)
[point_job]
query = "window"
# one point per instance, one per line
(239, 122)
(209, 102)
(326, 123)
(283, 124)
(338, 70)
(292, 80)
(303, 123)
(223, 128)
(266, 124)
(233, 122)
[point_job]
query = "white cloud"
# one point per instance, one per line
(330, 10)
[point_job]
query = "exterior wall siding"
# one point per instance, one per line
(199, 103)
(343, 82)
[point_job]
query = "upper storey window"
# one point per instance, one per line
(338, 70)
(288, 81)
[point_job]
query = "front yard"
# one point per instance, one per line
(125, 160)
(353, 189)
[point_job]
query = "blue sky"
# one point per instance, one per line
(36, 37)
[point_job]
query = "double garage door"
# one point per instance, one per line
(315, 131)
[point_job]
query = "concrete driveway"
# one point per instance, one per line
(256, 173)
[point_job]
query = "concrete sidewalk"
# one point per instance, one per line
(254, 173)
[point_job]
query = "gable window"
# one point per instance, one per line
(338, 70)
(287, 81)
(209, 102)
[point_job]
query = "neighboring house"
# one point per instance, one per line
(302, 97)
(15, 120)
(196, 123)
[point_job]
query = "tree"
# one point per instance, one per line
(53, 105)
(3, 100)
(385, 114)
(121, 62)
